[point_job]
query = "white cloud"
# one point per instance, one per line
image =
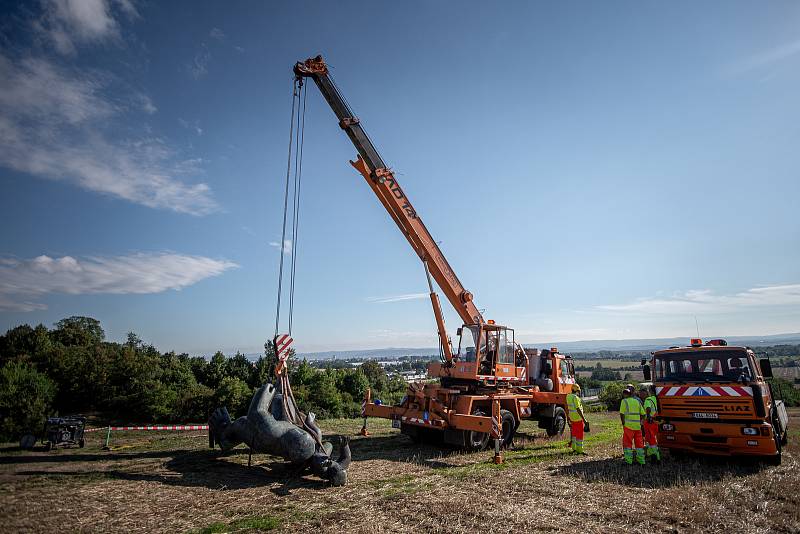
(193, 126)
(287, 245)
(23, 282)
(68, 23)
(198, 67)
(57, 124)
(398, 298)
(705, 301)
(768, 57)
(217, 34)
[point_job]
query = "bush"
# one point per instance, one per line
(611, 395)
(785, 390)
(25, 400)
(235, 395)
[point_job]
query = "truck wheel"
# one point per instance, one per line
(48, 445)
(477, 441)
(776, 460)
(785, 438)
(509, 424)
(81, 443)
(559, 422)
(412, 432)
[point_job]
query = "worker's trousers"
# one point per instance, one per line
(651, 439)
(576, 431)
(631, 437)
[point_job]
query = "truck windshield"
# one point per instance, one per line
(466, 344)
(703, 366)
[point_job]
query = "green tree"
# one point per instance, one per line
(239, 367)
(196, 403)
(234, 394)
(353, 382)
(324, 398)
(25, 400)
(215, 371)
(77, 330)
(376, 375)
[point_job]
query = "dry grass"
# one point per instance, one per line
(171, 482)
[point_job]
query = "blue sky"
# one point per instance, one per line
(631, 166)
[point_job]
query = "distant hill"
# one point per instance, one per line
(643, 345)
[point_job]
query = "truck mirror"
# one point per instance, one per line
(458, 331)
(548, 368)
(766, 367)
(646, 372)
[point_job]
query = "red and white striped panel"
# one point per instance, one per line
(282, 343)
(419, 421)
(151, 427)
(704, 391)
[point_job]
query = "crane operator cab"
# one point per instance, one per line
(488, 353)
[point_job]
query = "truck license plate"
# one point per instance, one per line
(705, 415)
(395, 423)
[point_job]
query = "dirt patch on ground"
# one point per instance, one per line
(172, 482)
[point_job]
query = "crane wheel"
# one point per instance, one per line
(509, 424)
(477, 441)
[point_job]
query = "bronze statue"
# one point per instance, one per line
(267, 429)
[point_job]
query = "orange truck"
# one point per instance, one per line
(488, 383)
(714, 399)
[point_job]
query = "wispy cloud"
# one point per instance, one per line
(193, 126)
(766, 58)
(217, 34)
(68, 24)
(705, 301)
(57, 123)
(287, 245)
(24, 282)
(398, 298)
(198, 66)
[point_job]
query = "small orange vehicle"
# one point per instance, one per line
(714, 399)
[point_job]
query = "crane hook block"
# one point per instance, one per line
(310, 67)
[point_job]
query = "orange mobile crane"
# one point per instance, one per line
(489, 382)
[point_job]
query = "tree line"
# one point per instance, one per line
(71, 368)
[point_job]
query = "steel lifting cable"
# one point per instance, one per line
(286, 205)
(298, 176)
(296, 142)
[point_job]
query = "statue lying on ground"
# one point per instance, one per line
(266, 429)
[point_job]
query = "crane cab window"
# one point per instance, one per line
(506, 352)
(566, 369)
(466, 344)
(488, 352)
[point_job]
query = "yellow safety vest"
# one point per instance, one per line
(652, 403)
(633, 411)
(574, 403)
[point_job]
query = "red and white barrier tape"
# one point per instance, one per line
(151, 427)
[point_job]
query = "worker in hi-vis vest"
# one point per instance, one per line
(577, 421)
(649, 424)
(631, 412)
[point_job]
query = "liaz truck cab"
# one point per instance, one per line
(713, 399)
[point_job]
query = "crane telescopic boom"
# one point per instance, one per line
(384, 184)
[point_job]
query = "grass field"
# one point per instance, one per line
(171, 482)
